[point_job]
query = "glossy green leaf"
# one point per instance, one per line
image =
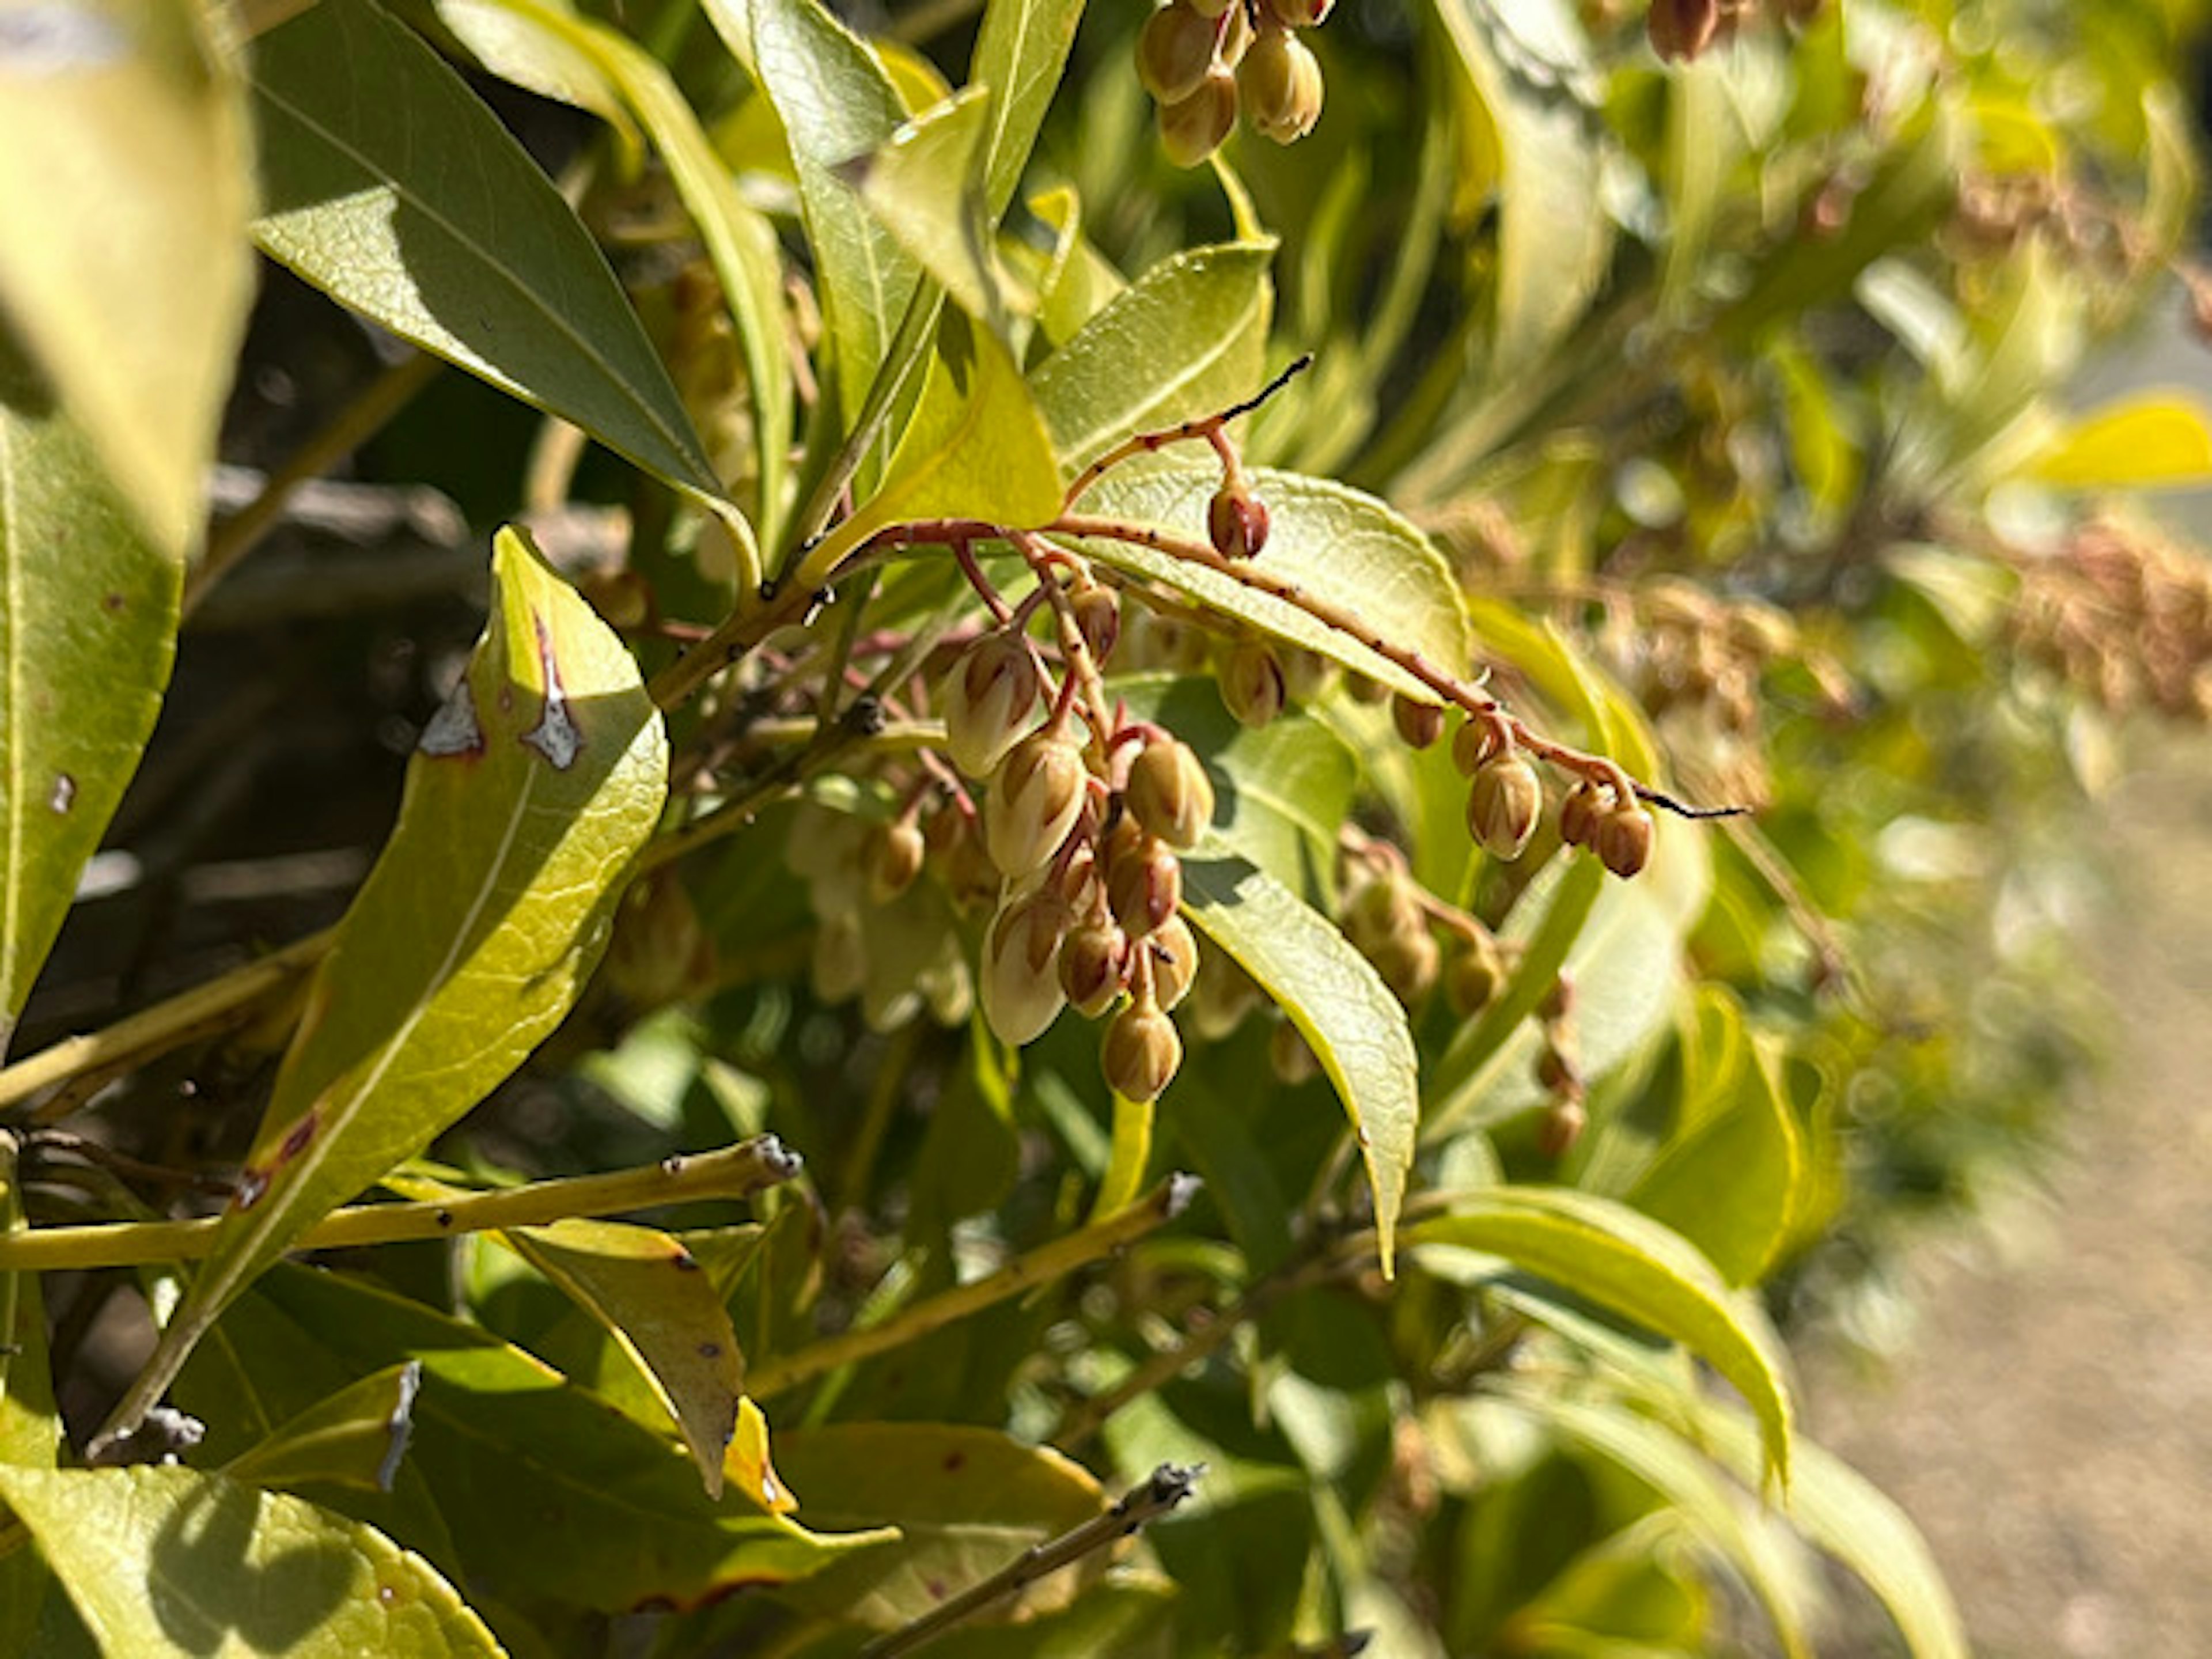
(1020, 51)
(30, 1426)
(1340, 1004)
(87, 627)
(124, 191)
(548, 1490)
(387, 184)
(173, 1560)
(513, 44)
(1630, 1264)
(529, 794)
(2156, 440)
(739, 239)
(355, 1437)
(1343, 547)
(925, 186)
(1076, 282)
(662, 1310)
(976, 446)
(1187, 339)
(836, 103)
(967, 1501)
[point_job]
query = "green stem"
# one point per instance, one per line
(1041, 1265)
(1132, 1149)
(737, 1171)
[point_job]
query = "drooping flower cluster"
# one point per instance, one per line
(1204, 60)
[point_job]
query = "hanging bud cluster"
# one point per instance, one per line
(1204, 60)
(1558, 1069)
(2124, 616)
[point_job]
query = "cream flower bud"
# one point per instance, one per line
(1420, 723)
(1098, 619)
(1034, 802)
(1092, 961)
(1280, 82)
(1141, 1052)
(1193, 128)
(1579, 813)
(1174, 961)
(893, 857)
(1169, 793)
(987, 701)
(1020, 983)
(1623, 840)
(1504, 804)
(1174, 49)
(1252, 684)
(1144, 885)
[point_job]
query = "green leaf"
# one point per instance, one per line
(550, 1491)
(1076, 282)
(1187, 339)
(1341, 546)
(515, 45)
(1630, 1264)
(529, 795)
(125, 189)
(1020, 51)
(739, 239)
(30, 1426)
(837, 103)
(925, 186)
(170, 1560)
(976, 446)
(2146, 442)
(355, 1437)
(388, 185)
(1340, 1004)
(966, 1501)
(662, 1311)
(88, 629)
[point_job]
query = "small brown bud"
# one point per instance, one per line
(1308, 676)
(1020, 984)
(1476, 741)
(1472, 981)
(1236, 522)
(1252, 684)
(1141, 1052)
(989, 701)
(1579, 813)
(1091, 962)
(1098, 619)
(1169, 792)
(1381, 912)
(1555, 1070)
(1280, 83)
(1681, 29)
(1193, 128)
(1623, 840)
(1560, 1128)
(624, 598)
(1174, 961)
(1144, 885)
(1174, 49)
(1034, 802)
(1408, 963)
(1503, 802)
(1420, 723)
(893, 859)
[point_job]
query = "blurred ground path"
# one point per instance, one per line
(2050, 1430)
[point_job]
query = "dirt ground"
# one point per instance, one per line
(2051, 1429)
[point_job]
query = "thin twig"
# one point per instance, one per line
(1047, 1262)
(736, 1171)
(1167, 1486)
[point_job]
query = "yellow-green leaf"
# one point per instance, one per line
(171, 1561)
(391, 186)
(528, 796)
(124, 191)
(1339, 1003)
(1631, 1265)
(925, 186)
(662, 1311)
(354, 1437)
(88, 629)
(1020, 51)
(2146, 442)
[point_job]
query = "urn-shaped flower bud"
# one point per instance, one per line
(1473, 978)
(956, 842)
(1098, 619)
(1475, 742)
(1622, 840)
(1092, 959)
(1034, 802)
(1579, 813)
(1174, 961)
(1280, 83)
(1193, 128)
(987, 701)
(1252, 684)
(893, 859)
(1144, 885)
(1169, 793)
(1504, 804)
(1681, 29)
(1174, 49)
(1020, 985)
(1236, 521)
(1407, 962)
(1141, 1052)
(1420, 723)
(1561, 1126)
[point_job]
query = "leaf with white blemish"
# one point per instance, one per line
(480, 923)
(88, 628)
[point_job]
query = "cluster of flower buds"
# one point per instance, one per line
(1202, 60)
(1558, 1068)
(1083, 837)
(1606, 819)
(1681, 30)
(2125, 617)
